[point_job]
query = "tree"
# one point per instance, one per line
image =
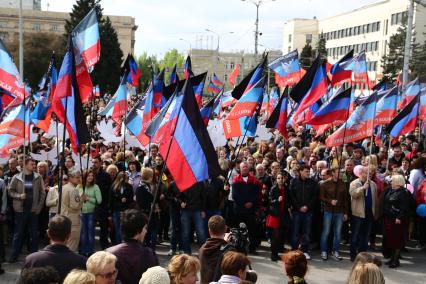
(171, 58)
(393, 62)
(306, 56)
(418, 66)
(107, 71)
(38, 48)
(321, 48)
(147, 64)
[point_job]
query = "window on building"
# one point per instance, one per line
(289, 49)
(232, 65)
(3, 36)
(3, 24)
(308, 38)
(36, 27)
(369, 28)
(54, 27)
(289, 38)
(393, 19)
(351, 31)
(225, 77)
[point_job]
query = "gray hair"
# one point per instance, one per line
(72, 172)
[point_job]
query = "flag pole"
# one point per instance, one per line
(62, 161)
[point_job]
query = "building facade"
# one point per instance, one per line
(367, 28)
(222, 63)
(37, 21)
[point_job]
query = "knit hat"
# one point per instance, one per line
(156, 274)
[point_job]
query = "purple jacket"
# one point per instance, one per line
(133, 259)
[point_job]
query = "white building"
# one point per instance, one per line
(367, 28)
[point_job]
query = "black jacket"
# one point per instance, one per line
(173, 197)
(274, 204)
(59, 257)
(214, 193)
(303, 193)
(144, 197)
(396, 204)
(194, 197)
(117, 196)
(103, 180)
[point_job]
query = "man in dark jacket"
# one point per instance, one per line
(193, 204)
(211, 250)
(246, 194)
(133, 258)
(57, 254)
(303, 199)
(215, 195)
(103, 180)
(28, 194)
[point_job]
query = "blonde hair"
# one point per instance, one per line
(147, 174)
(182, 265)
(399, 180)
(96, 262)
(366, 273)
(80, 277)
(111, 168)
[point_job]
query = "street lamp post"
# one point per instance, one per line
(256, 32)
(190, 48)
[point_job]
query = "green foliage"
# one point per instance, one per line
(38, 48)
(321, 47)
(107, 70)
(418, 63)
(306, 56)
(169, 60)
(393, 61)
(147, 64)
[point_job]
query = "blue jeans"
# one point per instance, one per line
(117, 227)
(175, 239)
(87, 233)
(25, 221)
(360, 233)
(186, 217)
(335, 220)
(301, 222)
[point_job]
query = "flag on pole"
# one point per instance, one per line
(66, 102)
(386, 108)
(341, 71)
(15, 119)
(358, 126)
(411, 90)
(287, 69)
(233, 75)
(359, 70)
(187, 68)
(10, 79)
(406, 120)
(250, 80)
(173, 76)
(86, 39)
(131, 70)
(279, 116)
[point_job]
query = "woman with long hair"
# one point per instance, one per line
(87, 234)
(121, 199)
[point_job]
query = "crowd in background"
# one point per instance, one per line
(294, 192)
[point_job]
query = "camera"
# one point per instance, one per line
(239, 238)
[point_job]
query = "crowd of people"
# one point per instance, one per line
(294, 192)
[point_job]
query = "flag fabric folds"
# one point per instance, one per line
(187, 68)
(15, 119)
(287, 69)
(86, 39)
(67, 103)
(359, 69)
(341, 71)
(318, 89)
(279, 116)
(386, 108)
(120, 106)
(144, 111)
(250, 80)
(411, 90)
(10, 79)
(358, 126)
(173, 76)
(233, 75)
(131, 70)
(192, 157)
(299, 91)
(335, 109)
(207, 110)
(406, 120)
(215, 84)
(242, 119)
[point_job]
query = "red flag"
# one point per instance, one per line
(233, 75)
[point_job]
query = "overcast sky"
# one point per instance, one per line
(162, 23)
